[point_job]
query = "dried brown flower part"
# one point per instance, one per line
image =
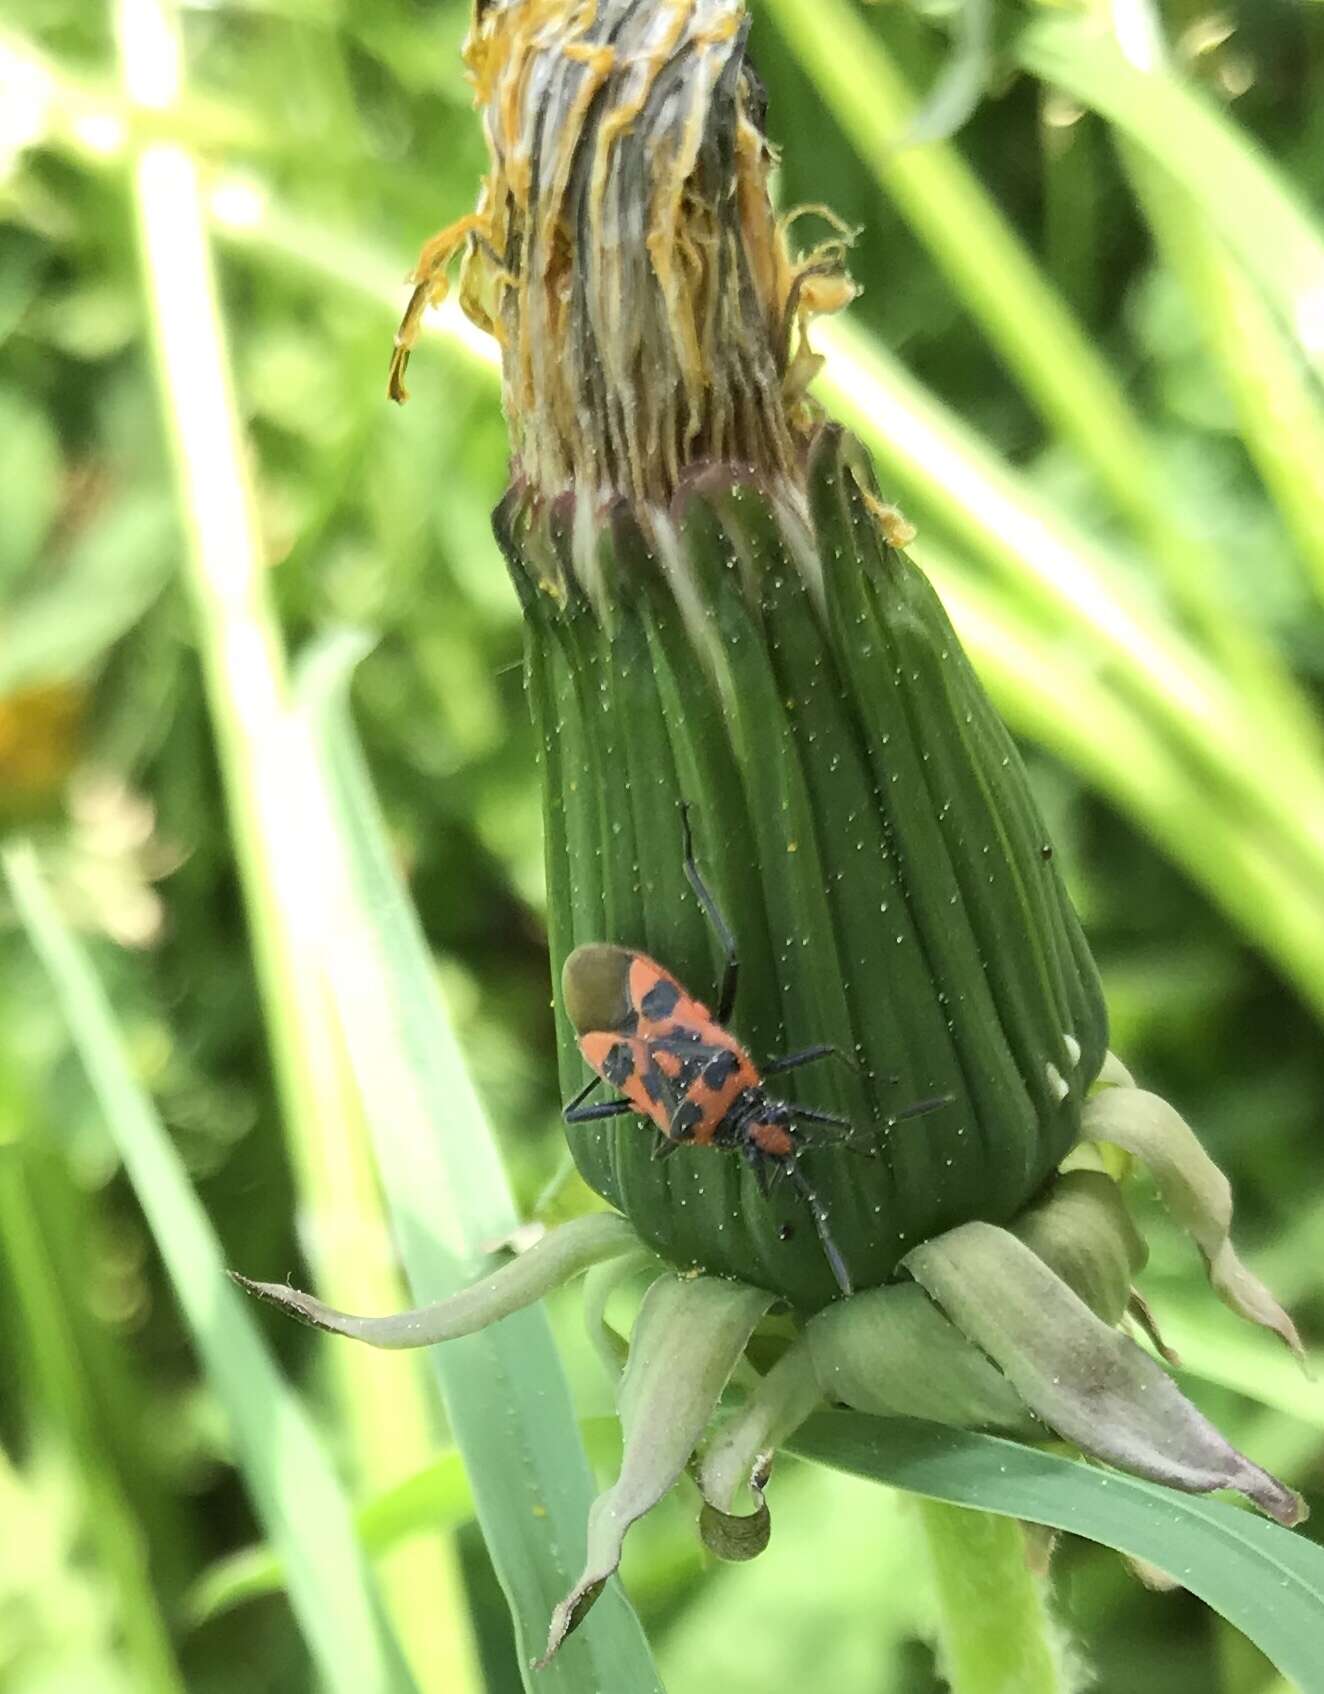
(625, 251)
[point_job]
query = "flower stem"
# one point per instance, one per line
(994, 1632)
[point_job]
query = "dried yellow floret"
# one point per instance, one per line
(625, 250)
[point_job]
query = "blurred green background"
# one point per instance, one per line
(1094, 296)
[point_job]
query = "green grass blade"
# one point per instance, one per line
(1114, 747)
(505, 1393)
(1281, 408)
(436, 1497)
(1265, 1580)
(1242, 1359)
(1235, 185)
(1280, 405)
(35, 1288)
(1043, 558)
(290, 1481)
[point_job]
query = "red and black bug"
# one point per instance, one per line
(677, 1063)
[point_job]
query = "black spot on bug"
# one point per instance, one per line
(660, 1000)
(688, 1116)
(654, 1084)
(721, 1068)
(618, 1066)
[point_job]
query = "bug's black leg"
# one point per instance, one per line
(831, 1252)
(579, 1099)
(764, 1170)
(726, 999)
(807, 1114)
(841, 1131)
(836, 1139)
(920, 1107)
(806, 1056)
(592, 1114)
(664, 1147)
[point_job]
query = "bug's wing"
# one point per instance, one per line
(715, 1062)
(626, 1063)
(660, 1002)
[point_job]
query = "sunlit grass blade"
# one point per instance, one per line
(505, 1393)
(1113, 746)
(1245, 199)
(1281, 408)
(243, 660)
(1266, 1580)
(293, 1488)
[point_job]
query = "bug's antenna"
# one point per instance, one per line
(831, 1251)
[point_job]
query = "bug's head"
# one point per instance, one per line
(595, 987)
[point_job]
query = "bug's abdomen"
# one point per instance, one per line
(773, 1140)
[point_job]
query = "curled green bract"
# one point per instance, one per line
(550, 1262)
(688, 1339)
(1193, 1188)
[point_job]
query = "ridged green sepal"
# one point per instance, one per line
(868, 829)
